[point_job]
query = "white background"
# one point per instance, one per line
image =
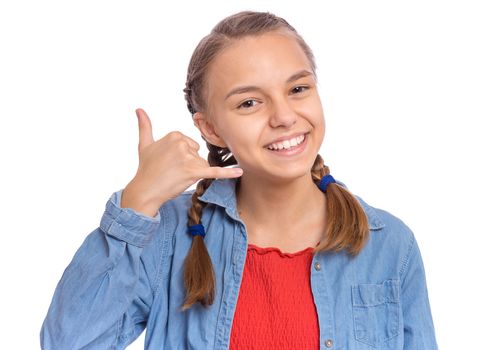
(405, 88)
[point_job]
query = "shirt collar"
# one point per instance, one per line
(222, 193)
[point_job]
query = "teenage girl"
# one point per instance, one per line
(270, 253)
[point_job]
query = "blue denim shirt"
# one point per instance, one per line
(128, 276)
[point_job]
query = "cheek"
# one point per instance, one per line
(243, 136)
(313, 111)
(317, 111)
(320, 119)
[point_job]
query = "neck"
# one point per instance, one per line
(273, 210)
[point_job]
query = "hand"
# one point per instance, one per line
(167, 167)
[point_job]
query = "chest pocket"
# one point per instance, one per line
(376, 311)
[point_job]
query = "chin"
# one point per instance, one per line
(289, 173)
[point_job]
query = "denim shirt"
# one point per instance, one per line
(128, 276)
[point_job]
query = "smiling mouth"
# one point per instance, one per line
(287, 144)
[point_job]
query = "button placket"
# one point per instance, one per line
(320, 289)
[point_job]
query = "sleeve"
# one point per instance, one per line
(104, 296)
(419, 333)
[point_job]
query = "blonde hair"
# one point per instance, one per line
(347, 227)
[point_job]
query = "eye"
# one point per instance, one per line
(247, 104)
(299, 89)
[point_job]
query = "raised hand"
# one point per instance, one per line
(167, 167)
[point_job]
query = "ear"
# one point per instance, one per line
(207, 130)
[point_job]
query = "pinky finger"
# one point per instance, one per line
(217, 172)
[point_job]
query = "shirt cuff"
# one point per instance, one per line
(126, 224)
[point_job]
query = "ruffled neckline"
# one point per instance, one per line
(266, 250)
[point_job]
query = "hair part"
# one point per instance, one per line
(347, 226)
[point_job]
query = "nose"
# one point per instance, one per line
(282, 114)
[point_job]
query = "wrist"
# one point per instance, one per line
(134, 197)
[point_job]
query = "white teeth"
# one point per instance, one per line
(287, 144)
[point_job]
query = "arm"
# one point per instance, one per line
(419, 331)
(104, 296)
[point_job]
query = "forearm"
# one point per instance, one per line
(97, 289)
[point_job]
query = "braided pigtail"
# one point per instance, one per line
(198, 268)
(347, 225)
(199, 279)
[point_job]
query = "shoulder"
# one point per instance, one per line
(174, 216)
(383, 225)
(389, 235)
(177, 206)
(219, 194)
(386, 223)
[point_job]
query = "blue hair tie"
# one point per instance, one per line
(196, 230)
(327, 179)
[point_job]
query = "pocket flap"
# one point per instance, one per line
(376, 294)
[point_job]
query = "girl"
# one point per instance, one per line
(269, 253)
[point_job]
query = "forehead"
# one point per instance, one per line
(258, 60)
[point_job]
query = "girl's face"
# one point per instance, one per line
(263, 105)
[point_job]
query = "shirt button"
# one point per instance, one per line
(329, 343)
(318, 267)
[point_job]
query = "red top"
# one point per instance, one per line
(275, 308)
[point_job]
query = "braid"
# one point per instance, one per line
(199, 278)
(319, 169)
(219, 156)
(188, 97)
(347, 224)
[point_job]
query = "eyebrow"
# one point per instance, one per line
(299, 75)
(248, 88)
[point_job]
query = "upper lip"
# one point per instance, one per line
(288, 137)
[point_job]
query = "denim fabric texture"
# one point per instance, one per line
(128, 276)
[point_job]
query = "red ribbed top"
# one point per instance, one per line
(275, 308)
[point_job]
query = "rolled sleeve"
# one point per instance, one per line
(126, 224)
